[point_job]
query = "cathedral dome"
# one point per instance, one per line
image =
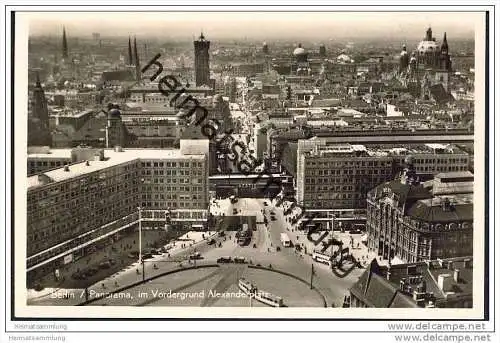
(299, 51)
(426, 46)
(343, 58)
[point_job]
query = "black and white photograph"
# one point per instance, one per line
(250, 163)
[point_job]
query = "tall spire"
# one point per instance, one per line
(444, 45)
(64, 44)
(37, 82)
(137, 62)
(130, 57)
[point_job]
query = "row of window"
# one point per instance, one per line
(355, 163)
(349, 172)
(173, 196)
(173, 172)
(334, 204)
(172, 164)
(173, 204)
(369, 182)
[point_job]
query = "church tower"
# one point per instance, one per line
(322, 50)
(64, 44)
(130, 58)
(404, 60)
(40, 109)
(201, 61)
(445, 61)
(38, 122)
(137, 62)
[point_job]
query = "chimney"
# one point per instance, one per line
(456, 275)
(444, 282)
(97, 157)
(66, 168)
(118, 148)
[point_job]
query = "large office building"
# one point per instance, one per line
(73, 208)
(333, 179)
(414, 221)
(339, 175)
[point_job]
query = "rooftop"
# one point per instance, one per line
(112, 158)
(407, 282)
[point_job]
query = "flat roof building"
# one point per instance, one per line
(73, 207)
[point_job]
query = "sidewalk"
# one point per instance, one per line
(122, 278)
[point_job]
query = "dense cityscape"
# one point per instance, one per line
(341, 173)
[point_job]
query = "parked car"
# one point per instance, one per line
(273, 213)
(265, 203)
(211, 242)
(235, 211)
(239, 259)
(273, 218)
(355, 232)
(195, 256)
(147, 256)
(105, 265)
(224, 259)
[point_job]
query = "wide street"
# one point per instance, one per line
(261, 250)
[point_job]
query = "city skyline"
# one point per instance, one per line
(226, 25)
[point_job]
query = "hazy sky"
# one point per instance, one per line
(261, 25)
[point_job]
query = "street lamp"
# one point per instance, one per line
(140, 234)
(333, 226)
(140, 244)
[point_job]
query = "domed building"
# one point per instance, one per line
(432, 55)
(300, 54)
(301, 61)
(343, 58)
(115, 129)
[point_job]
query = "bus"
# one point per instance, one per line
(285, 240)
(322, 258)
(269, 299)
(246, 286)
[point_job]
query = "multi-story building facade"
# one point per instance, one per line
(415, 221)
(71, 209)
(42, 158)
(333, 178)
(338, 176)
